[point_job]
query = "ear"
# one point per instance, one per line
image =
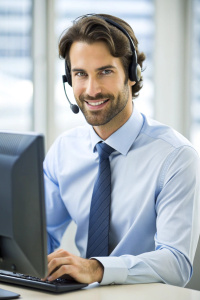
(131, 83)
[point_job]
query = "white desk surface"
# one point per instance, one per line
(154, 291)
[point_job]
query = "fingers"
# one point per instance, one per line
(58, 267)
(58, 253)
(55, 262)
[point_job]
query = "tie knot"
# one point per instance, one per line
(104, 150)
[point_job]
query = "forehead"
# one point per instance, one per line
(83, 55)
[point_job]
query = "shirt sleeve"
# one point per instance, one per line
(57, 216)
(177, 228)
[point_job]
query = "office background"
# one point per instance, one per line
(31, 91)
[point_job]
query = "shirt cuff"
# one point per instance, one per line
(115, 271)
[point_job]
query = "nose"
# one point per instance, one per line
(92, 87)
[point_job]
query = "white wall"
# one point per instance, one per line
(172, 59)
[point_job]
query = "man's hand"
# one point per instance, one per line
(82, 270)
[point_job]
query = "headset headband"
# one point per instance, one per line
(134, 67)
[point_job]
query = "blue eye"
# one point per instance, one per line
(106, 72)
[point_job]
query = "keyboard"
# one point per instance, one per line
(59, 285)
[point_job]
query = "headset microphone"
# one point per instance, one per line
(73, 107)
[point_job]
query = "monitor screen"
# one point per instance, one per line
(23, 241)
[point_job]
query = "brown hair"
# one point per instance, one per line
(92, 28)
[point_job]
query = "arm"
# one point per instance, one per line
(57, 216)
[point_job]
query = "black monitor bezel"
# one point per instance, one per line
(16, 245)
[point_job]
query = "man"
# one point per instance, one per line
(154, 209)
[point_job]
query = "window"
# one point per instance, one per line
(195, 126)
(15, 65)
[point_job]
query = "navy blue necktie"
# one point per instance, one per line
(98, 233)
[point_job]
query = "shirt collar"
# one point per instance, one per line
(122, 139)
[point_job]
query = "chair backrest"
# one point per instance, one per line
(195, 280)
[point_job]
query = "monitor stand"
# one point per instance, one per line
(8, 295)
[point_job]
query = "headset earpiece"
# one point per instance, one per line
(68, 75)
(134, 71)
(138, 72)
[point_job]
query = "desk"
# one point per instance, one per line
(153, 291)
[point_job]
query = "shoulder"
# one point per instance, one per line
(164, 134)
(168, 146)
(72, 137)
(72, 140)
(75, 133)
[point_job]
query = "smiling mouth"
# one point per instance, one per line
(97, 103)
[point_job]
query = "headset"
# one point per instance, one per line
(134, 67)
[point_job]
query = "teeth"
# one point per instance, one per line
(96, 103)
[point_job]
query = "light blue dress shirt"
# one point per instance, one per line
(154, 226)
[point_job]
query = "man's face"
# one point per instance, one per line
(98, 82)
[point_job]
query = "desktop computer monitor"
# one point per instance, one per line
(23, 241)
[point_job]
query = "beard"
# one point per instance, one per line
(101, 117)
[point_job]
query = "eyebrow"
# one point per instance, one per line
(106, 67)
(98, 69)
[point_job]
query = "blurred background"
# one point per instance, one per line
(31, 91)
